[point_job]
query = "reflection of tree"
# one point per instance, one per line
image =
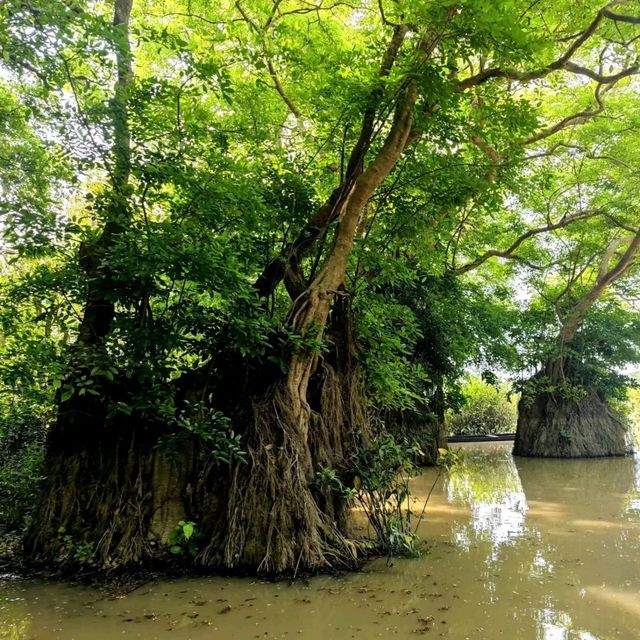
(598, 497)
(14, 613)
(557, 625)
(485, 474)
(632, 506)
(538, 523)
(487, 480)
(578, 485)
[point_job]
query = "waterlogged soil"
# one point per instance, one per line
(515, 548)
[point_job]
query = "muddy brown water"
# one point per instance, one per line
(515, 549)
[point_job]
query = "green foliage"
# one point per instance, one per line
(543, 384)
(389, 333)
(211, 427)
(32, 325)
(486, 408)
(450, 458)
(241, 118)
(79, 553)
(379, 485)
(628, 410)
(19, 476)
(185, 540)
(632, 410)
(223, 176)
(607, 342)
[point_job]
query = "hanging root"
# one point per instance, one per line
(277, 519)
(342, 416)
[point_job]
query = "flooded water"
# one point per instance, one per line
(516, 549)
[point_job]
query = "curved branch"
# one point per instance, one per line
(581, 117)
(509, 253)
(620, 18)
(288, 262)
(606, 277)
(280, 89)
(614, 245)
(598, 77)
(563, 62)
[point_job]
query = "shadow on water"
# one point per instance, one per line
(516, 548)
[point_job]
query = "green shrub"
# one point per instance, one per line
(486, 409)
(21, 455)
(630, 411)
(185, 539)
(379, 484)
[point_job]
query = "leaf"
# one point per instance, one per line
(187, 530)
(66, 393)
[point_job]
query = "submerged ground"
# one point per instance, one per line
(524, 548)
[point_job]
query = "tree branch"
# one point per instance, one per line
(509, 252)
(598, 77)
(606, 277)
(581, 117)
(620, 18)
(563, 62)
(278, 268)
(279, 88)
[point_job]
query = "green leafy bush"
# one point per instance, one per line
(379, 484)
(213, 429)
(629, 410)
(32, 334)
(486, 409)
(185, 539)
(21, 455)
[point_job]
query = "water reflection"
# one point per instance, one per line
(487, 482)
(14, 617)
(633, 501)
(557, 625)
(565, 531)
(15, 630)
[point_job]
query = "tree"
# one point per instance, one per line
(565, 411)
(584, 293)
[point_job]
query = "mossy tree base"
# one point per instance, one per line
(110, 498)
(550, 426)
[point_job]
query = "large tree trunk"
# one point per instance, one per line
(270, 515)
(552, 425)
(108, 492)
